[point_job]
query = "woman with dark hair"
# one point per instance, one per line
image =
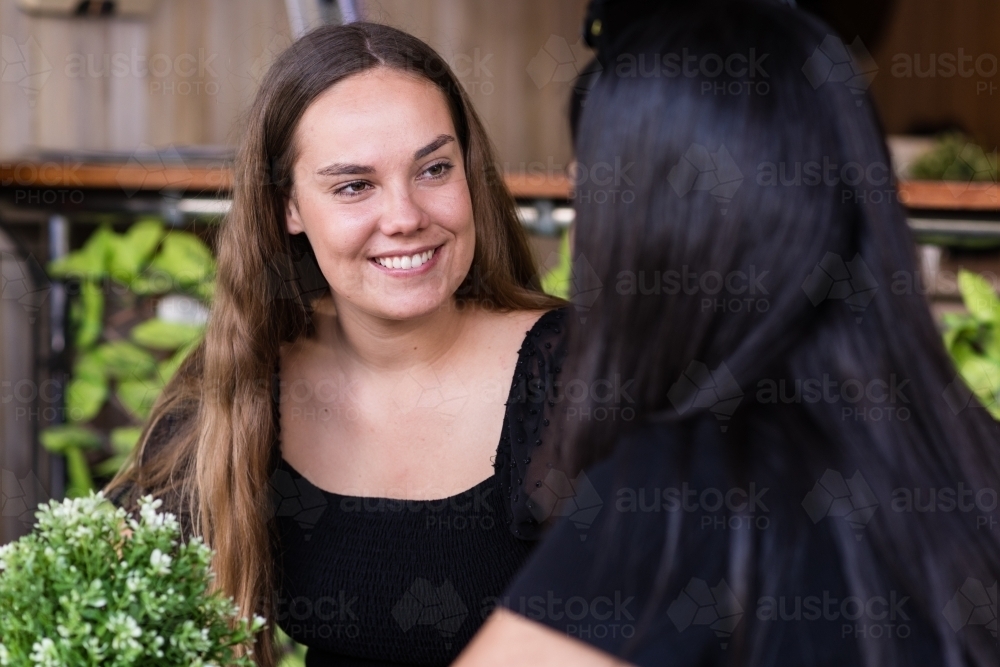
(348, 437)
(795, 408)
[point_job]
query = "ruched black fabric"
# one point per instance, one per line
(377, 581)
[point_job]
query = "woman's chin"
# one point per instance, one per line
(413, 308)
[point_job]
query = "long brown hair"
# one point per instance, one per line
(210, 443)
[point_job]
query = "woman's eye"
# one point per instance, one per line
(438, 170)
(352, 189)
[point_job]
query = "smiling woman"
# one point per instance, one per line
(377, 318)
(392, 226)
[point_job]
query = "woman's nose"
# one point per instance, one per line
(402, 214)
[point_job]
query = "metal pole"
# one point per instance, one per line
(58, 247)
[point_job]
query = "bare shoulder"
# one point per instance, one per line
(508, 328)
(514, 322)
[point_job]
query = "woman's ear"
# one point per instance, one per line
(293, 221)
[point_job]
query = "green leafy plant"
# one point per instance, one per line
(93, 586)
(973, 339)
(126, 368)
(955, 158)
(559, 278)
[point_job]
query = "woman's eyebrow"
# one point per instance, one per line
(338, 169)
(441, 140)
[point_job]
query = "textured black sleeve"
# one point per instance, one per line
(527, 446)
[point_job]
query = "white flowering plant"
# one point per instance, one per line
(92, 585)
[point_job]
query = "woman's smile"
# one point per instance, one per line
(408, 262)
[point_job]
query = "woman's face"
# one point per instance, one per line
(380, 192)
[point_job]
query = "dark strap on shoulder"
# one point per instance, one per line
(528, 450)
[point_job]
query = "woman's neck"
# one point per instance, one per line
(387, 345)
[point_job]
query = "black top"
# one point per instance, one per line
(597, 579)
(376, 581)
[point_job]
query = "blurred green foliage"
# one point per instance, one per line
(145, 262)
(557, 281)
(973, 339)
(955, 158)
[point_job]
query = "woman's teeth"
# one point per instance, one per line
(406, 261)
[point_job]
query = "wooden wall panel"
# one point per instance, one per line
(45, 103)
(490, 45)
(180, 76)
(925, 28)
(204, 59)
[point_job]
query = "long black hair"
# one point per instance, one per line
(754, 242)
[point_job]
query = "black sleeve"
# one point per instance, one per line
(528, 442)
(594, 575)
(600, 577)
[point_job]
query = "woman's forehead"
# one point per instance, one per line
(374, 115)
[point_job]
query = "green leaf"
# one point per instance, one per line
(979, 297)
(90, 261)
(205, 291)
(80, 483)
(967, 330)
(557, 281)
(153, 282)
(111, 465)
(983, 378)
(159, 334)
(168, 367)
(122, 359)
(133, 250)
(990, 344)
(89, 364)
(124, 438)
(961, 351)
(138, 396)
(91, 322)
(185, 258)
(59, 438)
(84, 397)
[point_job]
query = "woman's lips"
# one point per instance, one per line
(409, 263)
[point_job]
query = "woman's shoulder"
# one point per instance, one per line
(540, 330)
(525, 324)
